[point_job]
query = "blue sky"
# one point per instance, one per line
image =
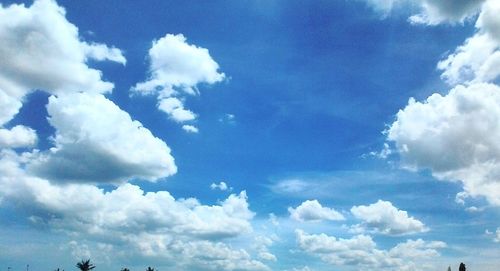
(250, 135)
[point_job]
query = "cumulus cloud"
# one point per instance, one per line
(40, 49)
(478, 59)
(361, 251)
(382, 217)
(96, 141)
(176, 69)
(311, 210)
(18, 136)
(455, 136)
(153, 224)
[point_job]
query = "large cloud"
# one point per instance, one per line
(96, 141)
(455, 136)
(40, 49)
(176, 69)
(361, 251)
(152, 224)
(311, 210)
(384, 218)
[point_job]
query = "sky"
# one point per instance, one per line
(250, 135)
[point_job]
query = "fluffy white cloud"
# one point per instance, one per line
(152, 224)
(311, 210)
(176, 69)
(18, 136)
(175, 110)
(40, 49)
(361, 251)
(177, 64)
(96, 141)
(478, 59)
(455, 136)
(497, 238)
(384, 218)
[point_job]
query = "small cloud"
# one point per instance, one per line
(382, 217)
(190, 129)
(312, 211)
(222, 186)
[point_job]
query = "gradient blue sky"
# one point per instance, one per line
(305, 120)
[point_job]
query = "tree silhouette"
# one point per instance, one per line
(462, 267)
(85, 265)
(58, 269)
(150, 269)
(449, 268)
(123, 269)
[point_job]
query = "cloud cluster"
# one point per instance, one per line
(361, 251)
(176, 69)
(455, 136)
(96, 141)
(154, 223)
(382, 217)
(311, 210)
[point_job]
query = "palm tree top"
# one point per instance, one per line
(85, 265)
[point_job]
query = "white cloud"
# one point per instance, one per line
(175, 110)
(311, 210)
(478, 59)
(361, 251)
(40, 49)
(455, 136)
(9, 107)
(152, 224)
(176, 69)
(262, 244)
(18, 136)
(384, 218)
(96, 142)
(222, 186)
(190, 129)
